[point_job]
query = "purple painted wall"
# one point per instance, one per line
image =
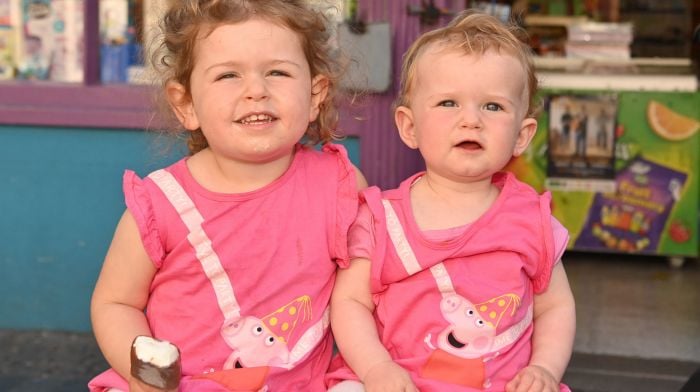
(385, 160)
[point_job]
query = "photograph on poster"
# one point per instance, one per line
(581, 141)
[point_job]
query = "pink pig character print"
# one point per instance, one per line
(265, 342)
(468, 341)
(468, 335)
(253, 344)
(258, 344)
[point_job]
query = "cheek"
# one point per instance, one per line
(481, 342)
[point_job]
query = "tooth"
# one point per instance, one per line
(256, 118)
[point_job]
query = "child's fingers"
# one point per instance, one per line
(530, 382)
(521, 383)
(512, 385)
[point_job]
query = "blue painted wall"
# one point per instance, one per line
(60, 200)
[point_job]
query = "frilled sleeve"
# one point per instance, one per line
(139, 202)
(345, 203)
(361, 236)
(556, 238)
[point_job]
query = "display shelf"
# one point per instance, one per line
(547, 20)
(679, 83)
(635, 74)
(89, 104)
(568, 63)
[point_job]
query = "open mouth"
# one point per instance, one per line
(256, 119)
(469, 145)
(454, 342)
(238, 365)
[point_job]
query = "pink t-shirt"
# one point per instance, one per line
(361, 235)
(249, 308)
(455, 307)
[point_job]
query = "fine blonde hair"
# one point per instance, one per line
(472, 33)
(186, 20)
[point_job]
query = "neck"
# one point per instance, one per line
(222, 175)
(440, 203)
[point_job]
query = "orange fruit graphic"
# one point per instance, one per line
(668, 124)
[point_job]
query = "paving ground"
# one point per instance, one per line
(638, 330)
(40, 361)
(64, 362)
(605, 373)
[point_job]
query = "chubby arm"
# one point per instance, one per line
(120, 296)
(552, 339)
(353, 326)
(356, 334)
(352, 307)
(555, 325)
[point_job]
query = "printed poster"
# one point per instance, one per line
(581, 142)
(633, 218)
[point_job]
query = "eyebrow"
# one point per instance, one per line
(498, 97)
(271, 63)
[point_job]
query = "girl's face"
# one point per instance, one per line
(467, 114)
(252, 93)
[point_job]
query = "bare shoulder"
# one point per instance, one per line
(127, 271)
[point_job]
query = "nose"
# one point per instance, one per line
(471, 118)
(256, 88)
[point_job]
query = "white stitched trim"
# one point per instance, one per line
(512, 334)
(309, 339)
(398, 237)
(200, 242)
(442, 278)
(406, 255)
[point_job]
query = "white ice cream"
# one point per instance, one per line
(156, 352)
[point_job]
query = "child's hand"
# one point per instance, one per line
(533, 378)
(388, 376)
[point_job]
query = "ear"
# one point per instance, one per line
(403, 117)
(182, 105)
(319, 92)
(528, 127)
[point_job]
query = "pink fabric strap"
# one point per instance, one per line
(200, 241)
(408, 257)
(398, 238)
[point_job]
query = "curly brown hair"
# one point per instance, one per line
(185, 20)
(472, 32)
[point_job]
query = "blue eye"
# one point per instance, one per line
(448, 103)
(494, 107)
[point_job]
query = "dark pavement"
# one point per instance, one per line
(39, 361)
